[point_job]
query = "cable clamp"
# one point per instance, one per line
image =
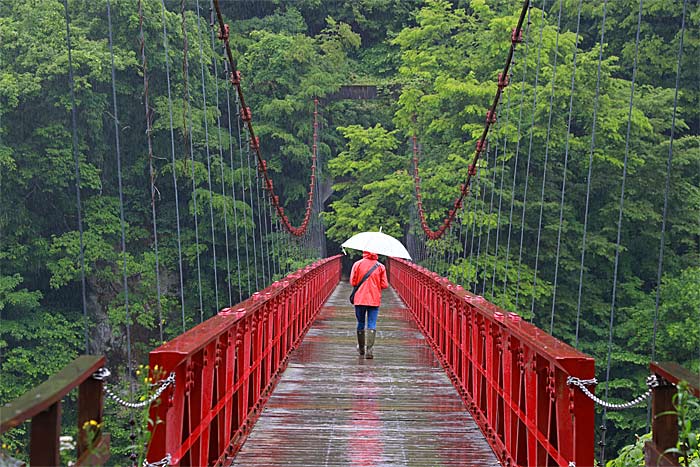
(656, 381)
(516, 37)
(503, 80)
(223, 33)
(102, 374)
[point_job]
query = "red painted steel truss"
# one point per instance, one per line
(510, 374)
(226, 367)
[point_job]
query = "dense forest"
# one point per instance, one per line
(127, 147)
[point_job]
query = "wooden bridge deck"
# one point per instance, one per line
(332, 408)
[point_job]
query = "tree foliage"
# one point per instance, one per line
(435, 65)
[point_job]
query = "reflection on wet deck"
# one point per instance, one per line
(332, 408)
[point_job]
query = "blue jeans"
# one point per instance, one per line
(370, 312)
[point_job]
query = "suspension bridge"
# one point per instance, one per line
(272, 378)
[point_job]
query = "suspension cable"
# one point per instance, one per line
(187, 129)
(588, 185)
(254, 141)
(174, 166)
(500, 192)
(261, 225)
(243, 197)
(619, 222)
(208, 154)
(221, 167)
(484, 188)
(590, 164)
(76, 161)
(667, 187)
(481, 142)
(253, 226)
(151, 172)
(517, 151)
(544, 169)
(493, 192)
(122, 221)
(529, 155)
(233, 190)
(563, 181)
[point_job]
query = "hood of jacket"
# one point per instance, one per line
(369, 255)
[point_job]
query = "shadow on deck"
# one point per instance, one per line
(332, 408)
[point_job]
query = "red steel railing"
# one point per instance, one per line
(226, 367)
(511, 375)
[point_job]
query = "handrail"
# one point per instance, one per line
(227, 367)
(511, 375)
(42, 405)
(664, 426)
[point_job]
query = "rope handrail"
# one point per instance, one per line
(246, 116)
(516, 38)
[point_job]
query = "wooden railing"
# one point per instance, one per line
(664, 426)
(226, 368)
(42, 405)
(511, 375)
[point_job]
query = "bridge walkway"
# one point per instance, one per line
(332, 408)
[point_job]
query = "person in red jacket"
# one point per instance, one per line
(368, 298)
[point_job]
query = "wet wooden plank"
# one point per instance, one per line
(332, 408)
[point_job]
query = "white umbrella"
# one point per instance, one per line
(377, 242)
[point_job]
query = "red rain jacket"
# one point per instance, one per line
(370, 292)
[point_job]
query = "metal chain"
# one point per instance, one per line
(653, 381)
(161, 463)
(103, 373)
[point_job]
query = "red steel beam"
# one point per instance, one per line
(511, 375)
(226, 367)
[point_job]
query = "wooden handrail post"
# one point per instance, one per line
(664, 424)
(664, 417)
(45, 431)
(42, 405)
(90, 407)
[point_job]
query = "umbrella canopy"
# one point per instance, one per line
(377, 242)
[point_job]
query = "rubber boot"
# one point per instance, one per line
(371, 334)
(361, 342)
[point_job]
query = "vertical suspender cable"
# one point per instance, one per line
(590, 161)
(563, 180)
(208, 153)
(476, 195)
(233, 189)
(484, 182)
(493, 192)
(546, 160)
(187, 128)
(252, 213)
(76, 160)
(262, 214)
(619, 229)
(151, 172)
(667, 187)
(275, 243)
(174, 166)
(121, 192)
(500, 196)
(221, 167)
(261, 223)
(517, 151)
(529, 155)
(466, 213)
(243, 198)
(121, 219)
